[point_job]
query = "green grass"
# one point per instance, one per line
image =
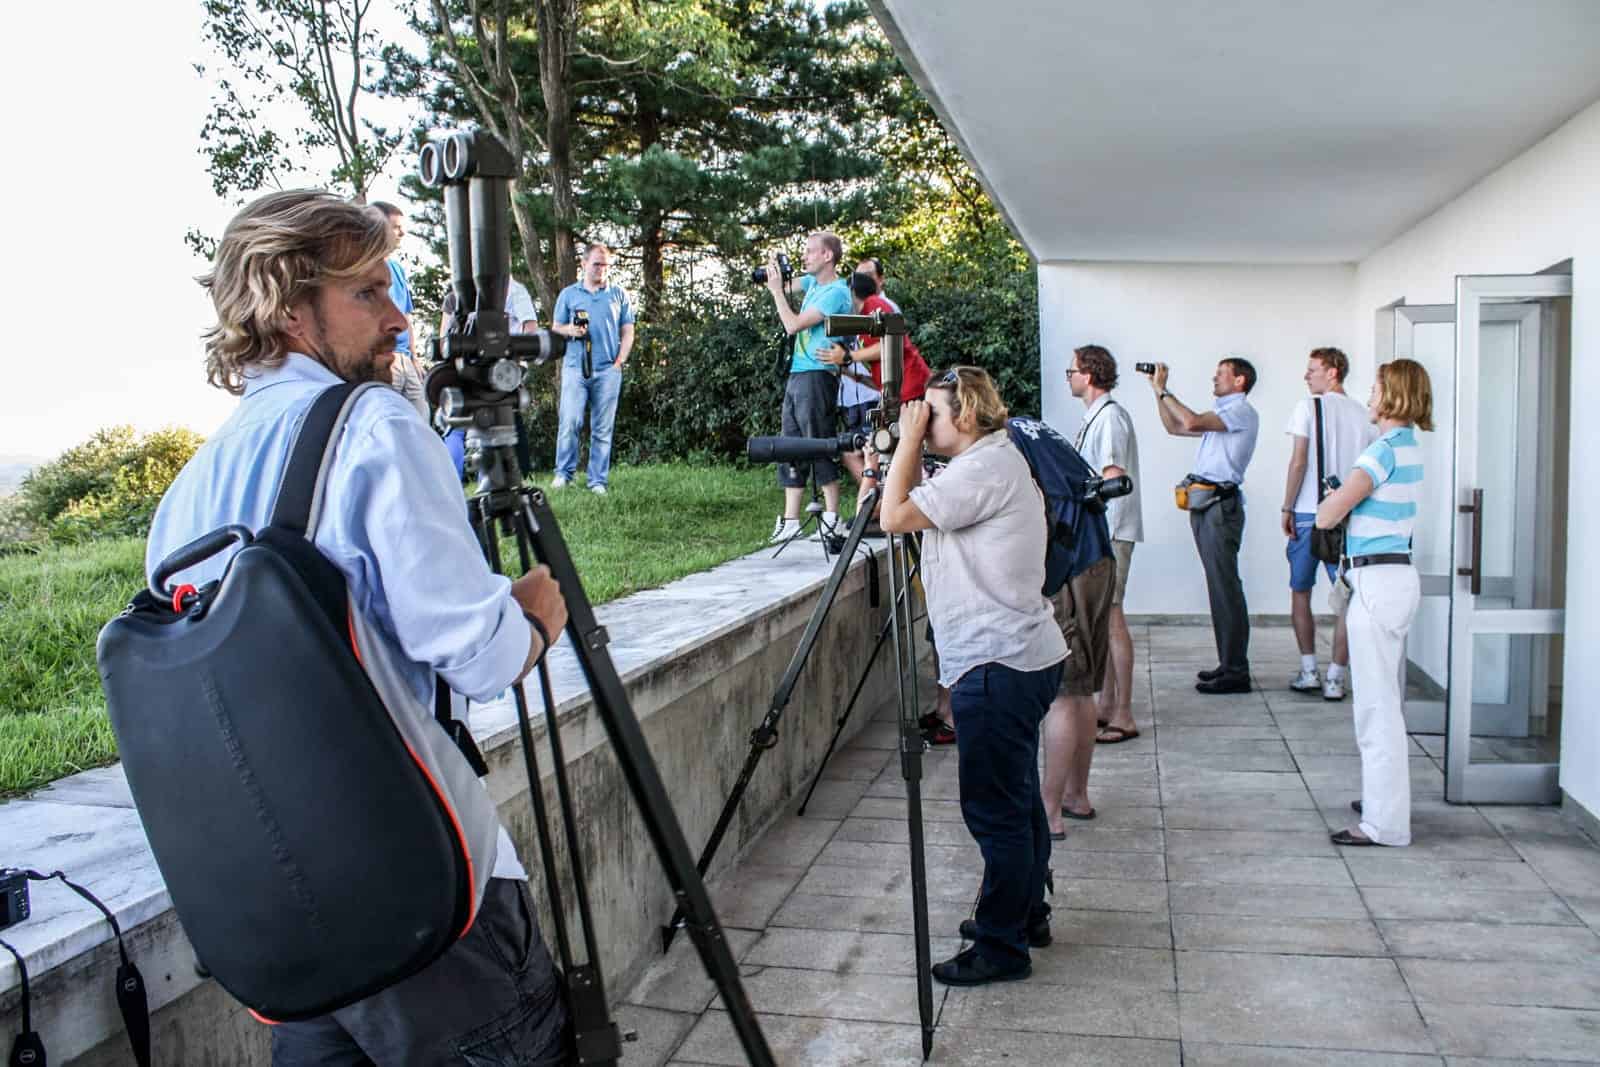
(659, 522)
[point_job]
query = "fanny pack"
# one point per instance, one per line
(1196, 494)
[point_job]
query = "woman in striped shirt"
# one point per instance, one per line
(1380, 497)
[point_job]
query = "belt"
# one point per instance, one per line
(1380, 559)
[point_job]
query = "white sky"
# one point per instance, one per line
(103, 314)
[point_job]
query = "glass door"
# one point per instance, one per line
(1507, 568)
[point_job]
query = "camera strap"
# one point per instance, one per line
(28, 1049)
(1083, 431)
(132, 1001)
(1322, 474)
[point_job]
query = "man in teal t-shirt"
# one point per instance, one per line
(811, 396)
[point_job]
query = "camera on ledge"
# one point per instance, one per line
(785, 271)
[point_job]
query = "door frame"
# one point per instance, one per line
(1484, 782)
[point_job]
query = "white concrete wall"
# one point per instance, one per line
(1536, 211)
(1190, 316)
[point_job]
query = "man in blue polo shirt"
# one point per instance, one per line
(1216, 515)
(591, 373)
(810, 398)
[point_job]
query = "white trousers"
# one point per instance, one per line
(1383, 602)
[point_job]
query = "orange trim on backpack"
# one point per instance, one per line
(258, 1017)
(461, 835)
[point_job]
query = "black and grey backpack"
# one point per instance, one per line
(323, 834)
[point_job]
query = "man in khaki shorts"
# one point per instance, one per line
(1107, 442)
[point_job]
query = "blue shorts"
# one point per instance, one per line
(1302, 564)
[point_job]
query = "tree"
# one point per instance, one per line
(485, 58)
(322, 55)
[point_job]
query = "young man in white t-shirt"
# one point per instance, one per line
(1346, 430)
(1107, 442)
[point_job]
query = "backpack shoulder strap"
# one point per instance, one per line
(1322, 474)
(300, 492)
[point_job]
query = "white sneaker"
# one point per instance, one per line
(559, 482)
(783, 530)
(1333, 689)
(598, 490)
(1306, 681)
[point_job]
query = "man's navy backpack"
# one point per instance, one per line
(322, 834)
(1079, 535)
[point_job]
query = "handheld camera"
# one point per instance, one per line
(785, 271)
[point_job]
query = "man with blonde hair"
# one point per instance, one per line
(810, 397)
(301, 290)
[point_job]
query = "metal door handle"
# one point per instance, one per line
(1475, 572)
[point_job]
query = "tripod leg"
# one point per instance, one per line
(765, 735)
(644, 780)
(844, 717)
(596, 1035)
(911, 748)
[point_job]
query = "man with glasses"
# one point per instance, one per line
(1107, 442)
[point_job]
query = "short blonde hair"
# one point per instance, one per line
(973, 393)
(1405, 393)
(831, 242)
(274, 253)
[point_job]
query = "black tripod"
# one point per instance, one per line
(478, 386)
(505, 507)
(911, 743)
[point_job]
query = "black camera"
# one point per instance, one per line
(1145, 368)
(759, 275)
(13, 897)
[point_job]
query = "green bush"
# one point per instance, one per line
(108, 486)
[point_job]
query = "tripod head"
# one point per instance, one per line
(480, 364)
(892, 329)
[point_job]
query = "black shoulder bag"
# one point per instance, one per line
(1326, 545)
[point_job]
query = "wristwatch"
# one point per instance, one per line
(1164, 394)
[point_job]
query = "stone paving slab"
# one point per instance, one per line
(1202, 918)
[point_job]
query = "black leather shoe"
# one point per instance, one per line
(1224, 684)
(1038, 933)
(969, 968)
(1212, 675)
(1355, 806)
(1353, 839)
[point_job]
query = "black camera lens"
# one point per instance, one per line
(759, 276)
(1145, 368)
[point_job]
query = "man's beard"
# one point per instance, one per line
(362, 368)
(366, 369)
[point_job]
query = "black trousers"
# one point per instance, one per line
(492, 1000)
(998, 711)
(1218, 533)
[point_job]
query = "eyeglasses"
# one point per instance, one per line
(1075, 370)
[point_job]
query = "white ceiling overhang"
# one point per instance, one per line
(1259, 131)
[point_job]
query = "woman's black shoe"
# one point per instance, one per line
(969, 968)
(1211, 675)
(1038, 933)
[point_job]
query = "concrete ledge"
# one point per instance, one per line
(700, 659)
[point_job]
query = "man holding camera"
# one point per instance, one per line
(301, 290)
(1212, 496)
(597, 319)
(810, 396)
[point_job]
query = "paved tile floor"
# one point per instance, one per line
(1202, 918)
